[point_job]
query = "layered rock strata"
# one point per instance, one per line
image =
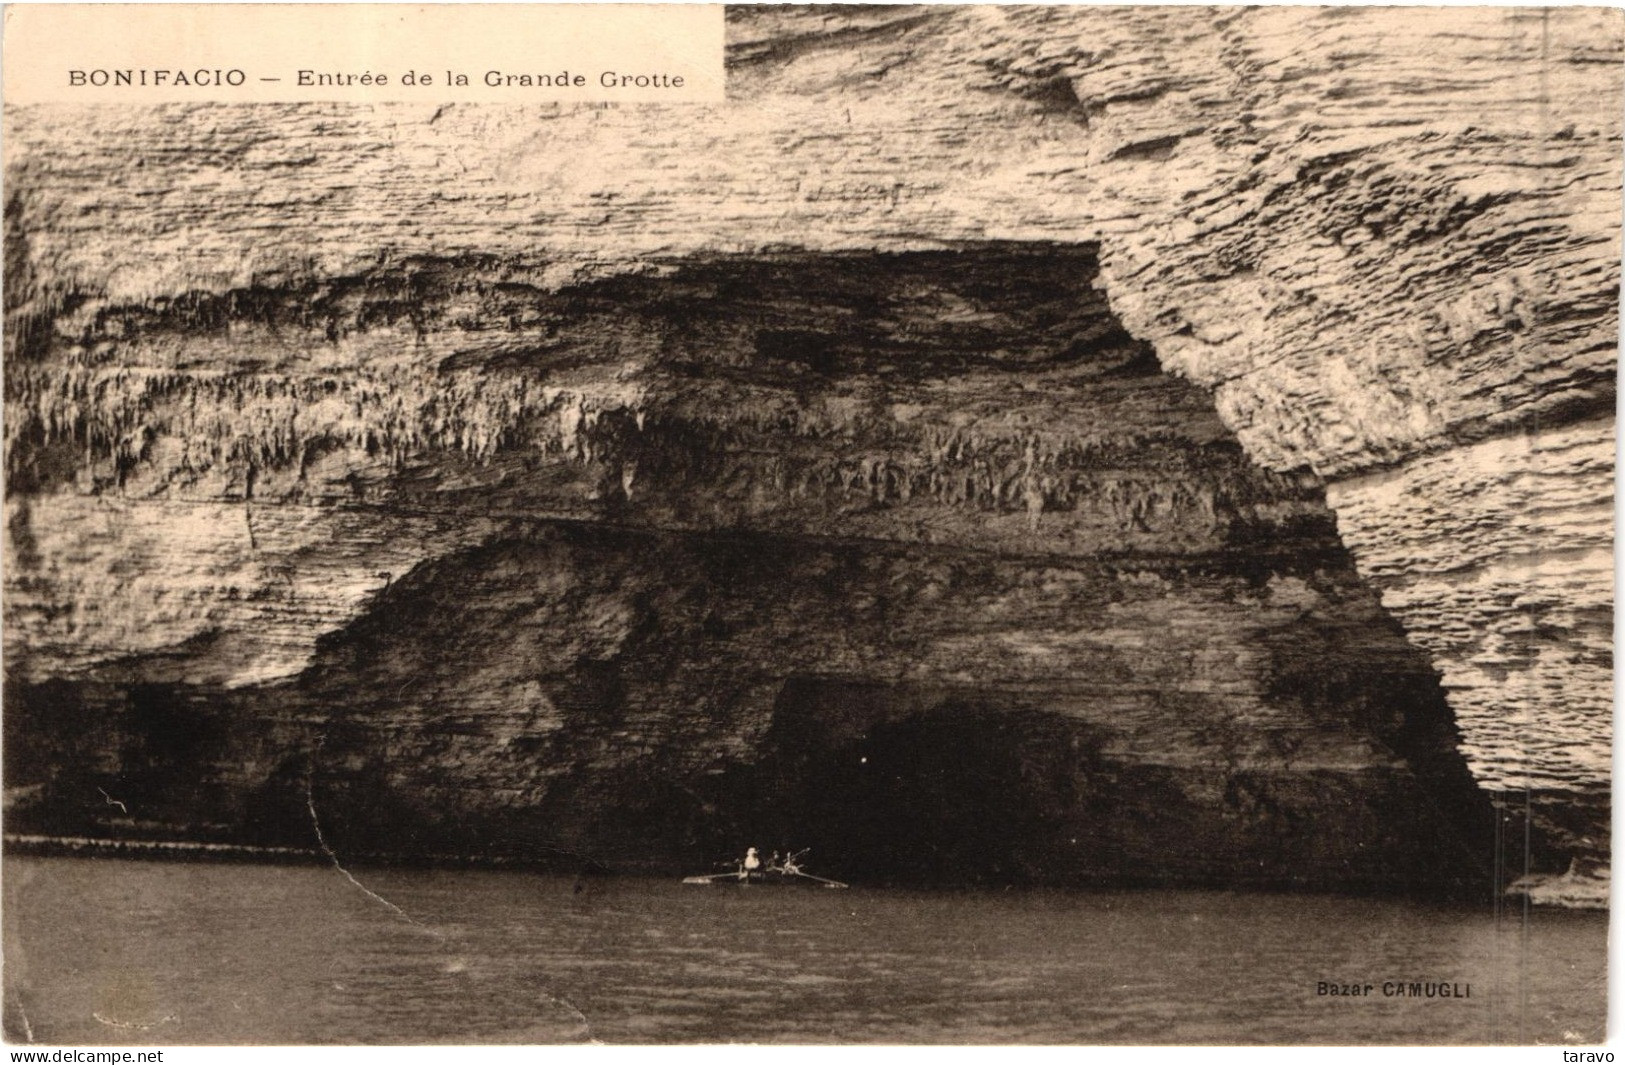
(1386, 241)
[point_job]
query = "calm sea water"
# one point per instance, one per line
(110, 951)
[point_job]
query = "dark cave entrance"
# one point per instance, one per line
(898, 784)
(917, 559)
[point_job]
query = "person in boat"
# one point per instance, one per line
(790, 866)
(751, 865)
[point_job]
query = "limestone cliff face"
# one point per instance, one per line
(912, 286)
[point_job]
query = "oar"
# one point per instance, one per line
(821, 880)
(710, 876)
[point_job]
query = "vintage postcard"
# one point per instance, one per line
(952, 524)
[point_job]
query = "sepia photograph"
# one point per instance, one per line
(788, 524)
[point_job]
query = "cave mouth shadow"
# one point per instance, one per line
(940, 787)
(920, 787)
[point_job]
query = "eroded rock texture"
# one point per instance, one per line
(1103, 306)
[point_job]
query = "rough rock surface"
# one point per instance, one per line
(1385, 242)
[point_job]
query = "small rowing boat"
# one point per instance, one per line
(765, 877)
(787, 873)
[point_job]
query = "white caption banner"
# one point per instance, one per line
(449, 53)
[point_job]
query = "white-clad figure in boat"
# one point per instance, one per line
(750, 865)
(791, 866)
